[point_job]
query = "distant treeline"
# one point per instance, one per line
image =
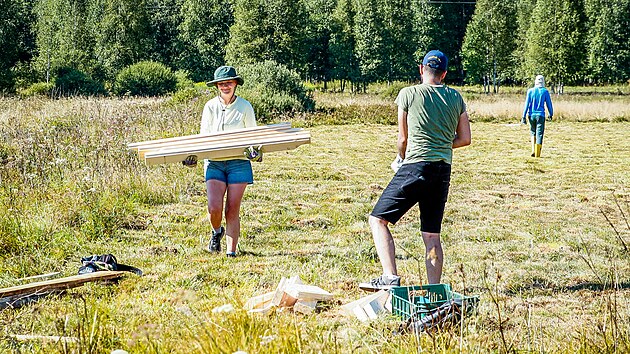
(355, 42)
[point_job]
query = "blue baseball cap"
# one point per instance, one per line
(436, 60)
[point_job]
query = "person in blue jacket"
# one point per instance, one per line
(537, 98)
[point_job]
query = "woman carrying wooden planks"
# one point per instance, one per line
(226, 178)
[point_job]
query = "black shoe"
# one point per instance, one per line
(380, 283)
(215, 241)
(230, 254)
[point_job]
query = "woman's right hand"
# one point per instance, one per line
(190, 161)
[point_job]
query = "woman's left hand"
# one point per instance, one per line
(254, 153)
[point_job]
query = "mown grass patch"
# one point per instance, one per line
(532, 237)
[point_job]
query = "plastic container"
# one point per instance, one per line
(418, 300)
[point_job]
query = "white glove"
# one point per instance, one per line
(397, 163)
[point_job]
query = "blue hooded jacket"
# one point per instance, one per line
(535, 102)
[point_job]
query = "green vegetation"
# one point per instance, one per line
(356, 42)
(273, 90)
(540, 240)
(145, 78)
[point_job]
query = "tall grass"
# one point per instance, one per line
(540, 240)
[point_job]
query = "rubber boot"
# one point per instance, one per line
(538, 150)
(533, 146)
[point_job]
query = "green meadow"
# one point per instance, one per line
(543, 242)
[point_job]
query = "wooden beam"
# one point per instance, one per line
(304, 306)
(60, 283)
(279, 126)
(179, 145)
(368, 307)
(25, 337)
(247, 141)
(259, 301)
(288, 142)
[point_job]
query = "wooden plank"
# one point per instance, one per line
(304, 306)
(307, 292)
(263, 311)
(26, 337)
(215, 138)
(281, 298)
(60, 283)
(135, 146)
(229, 151)
(259, 301)
(234, 152)
(219, 140)
(367, 307)
(250, 141)
(178, 145)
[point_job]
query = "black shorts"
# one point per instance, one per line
(424, 183)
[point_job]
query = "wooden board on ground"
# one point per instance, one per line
(60, 283)
(307, 292)
(25, 337)
(368, 307)
(281, 298)
(259, 301)
(304, 306)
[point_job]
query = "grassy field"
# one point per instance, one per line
(543, 242)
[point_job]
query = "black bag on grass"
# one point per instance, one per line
(102, 262)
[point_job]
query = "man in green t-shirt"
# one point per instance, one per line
(432, 120)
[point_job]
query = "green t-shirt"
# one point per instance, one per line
(432, 116)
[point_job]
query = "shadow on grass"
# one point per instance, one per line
(594, 286)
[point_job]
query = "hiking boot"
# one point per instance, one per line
(215, 241)
(384, 282)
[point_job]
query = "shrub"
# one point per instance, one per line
(146, 78)
(71, 82)
(38, 89)
(186, 95)
(273, 89)
(6, 81)
(183, 80)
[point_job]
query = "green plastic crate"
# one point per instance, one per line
(419, 299)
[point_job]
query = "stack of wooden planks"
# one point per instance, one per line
(221, 145)
(290, 293)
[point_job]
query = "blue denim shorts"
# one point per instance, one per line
(230, 171)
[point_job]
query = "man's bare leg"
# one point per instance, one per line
(434, 257)
(384, 243)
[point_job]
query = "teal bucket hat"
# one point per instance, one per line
(225, 73)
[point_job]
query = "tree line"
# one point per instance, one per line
(355, 42)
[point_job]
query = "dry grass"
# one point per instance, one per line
(574, 107)
(530, 233)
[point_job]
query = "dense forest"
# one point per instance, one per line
(354, 42)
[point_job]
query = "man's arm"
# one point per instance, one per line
(402, 132)
(462, 134)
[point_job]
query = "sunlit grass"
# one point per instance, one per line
(531, 232)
